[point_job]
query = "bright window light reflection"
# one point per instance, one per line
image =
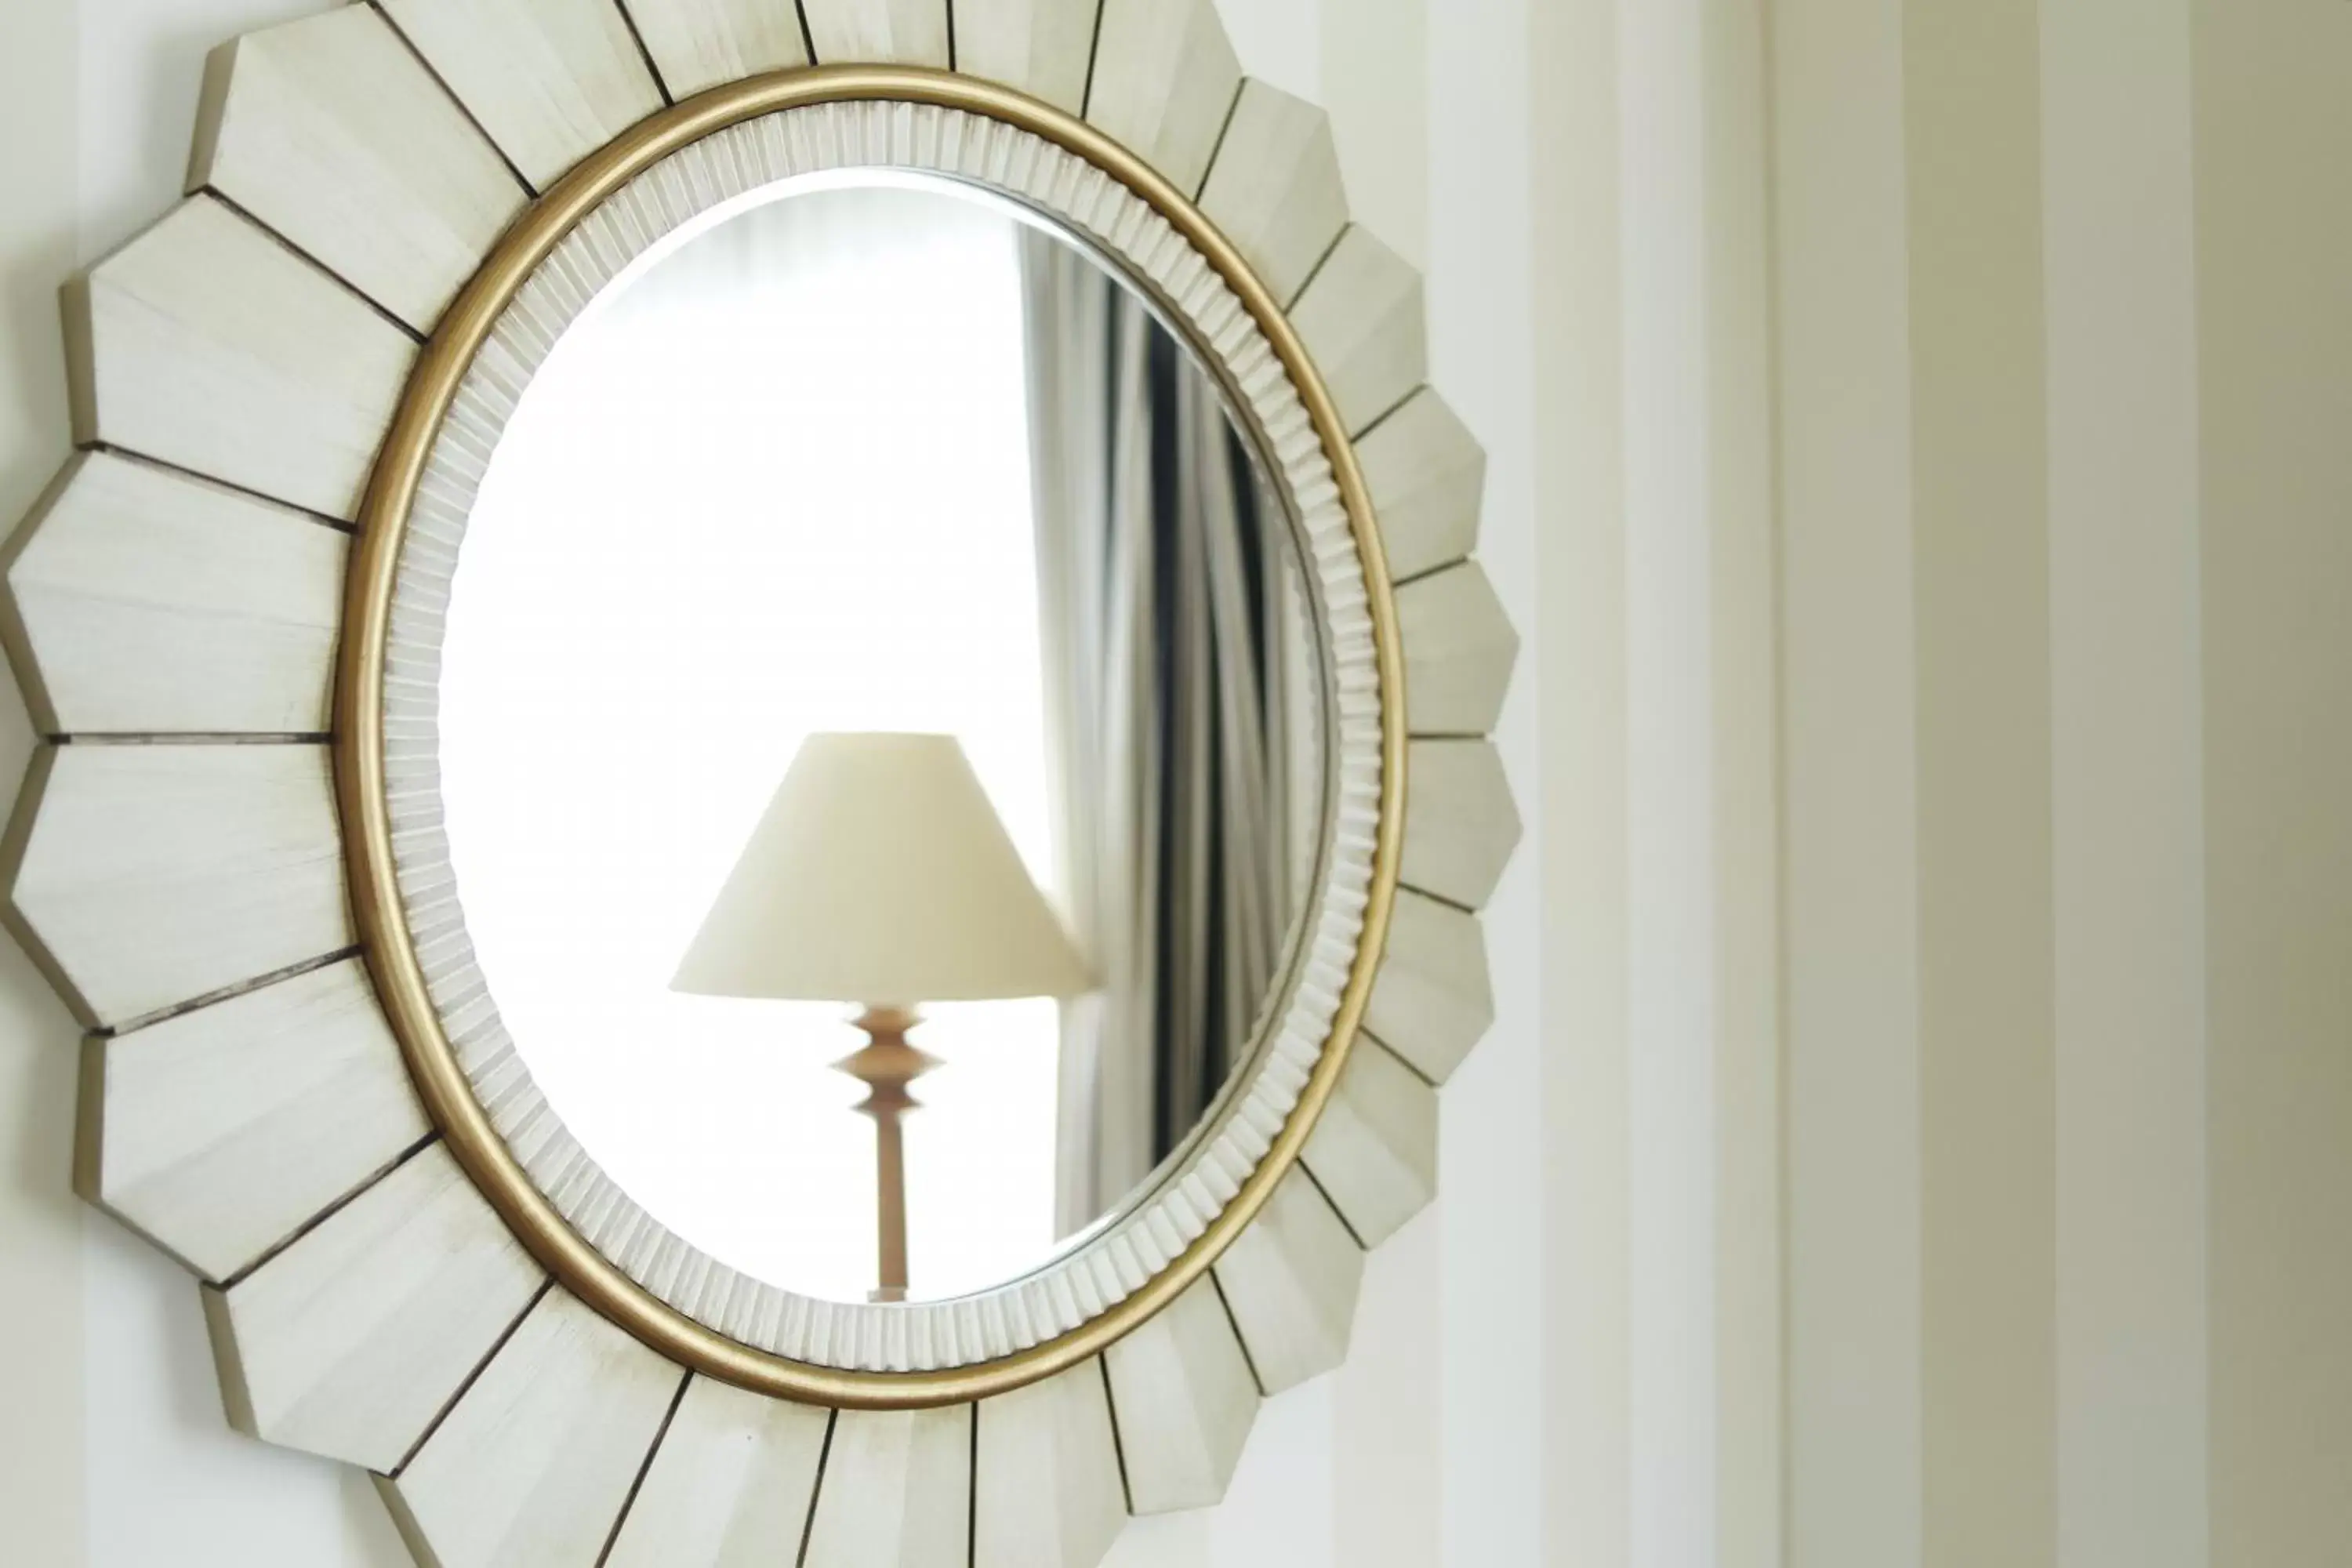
(779, 484)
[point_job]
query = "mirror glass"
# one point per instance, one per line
(872, 606)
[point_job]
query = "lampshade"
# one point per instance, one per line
(881, 875)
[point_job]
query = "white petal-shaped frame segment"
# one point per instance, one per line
(1291, 1282)
(885, 32)
(1184, 1400)
(144, 601)
(1461, 822)
(331, 132)
(1166, 77)
(208, 344)
(1434, 999)
(1362, 318)
(146, 877)
(731, 1485)
(221, 1133)
(1428, 477)
(699, 44)
(897, 1492)
(1374, 1152)
(534, 1463)
(549, 81)
(350, 1342)
(1047, 1488)
(1275, 188)
(1044, 48)
(1459, 651)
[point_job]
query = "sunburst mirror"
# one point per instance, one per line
(766, 776)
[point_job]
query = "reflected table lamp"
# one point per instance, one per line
(881, 877)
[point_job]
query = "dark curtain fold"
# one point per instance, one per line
(1172, 631)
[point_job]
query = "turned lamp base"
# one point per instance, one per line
(887, 1067)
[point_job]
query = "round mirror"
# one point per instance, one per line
(873, 615)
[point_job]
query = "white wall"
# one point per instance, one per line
(1919, 1122)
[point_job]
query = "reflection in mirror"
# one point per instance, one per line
(873, 613)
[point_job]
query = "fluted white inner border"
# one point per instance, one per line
(1088, 1280)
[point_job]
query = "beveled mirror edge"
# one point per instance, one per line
(360, 751)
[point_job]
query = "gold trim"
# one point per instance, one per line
(360, 746)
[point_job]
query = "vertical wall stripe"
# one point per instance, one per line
(2273, 124)
(1981, 494)
(41, 1336)
(1671, 1004)
(1481, 295)
(1744, 543)
(1389, 1400)
(1851, 892)
(1579, 405)
(2119, 241)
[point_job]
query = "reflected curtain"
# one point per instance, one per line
(1170, 644)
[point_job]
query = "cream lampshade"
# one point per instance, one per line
(881, 875)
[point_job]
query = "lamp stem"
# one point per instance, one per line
(886, 1067)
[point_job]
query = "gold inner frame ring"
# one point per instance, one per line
(360, 755)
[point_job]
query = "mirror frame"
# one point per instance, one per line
(203, 613)
(613, 212)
